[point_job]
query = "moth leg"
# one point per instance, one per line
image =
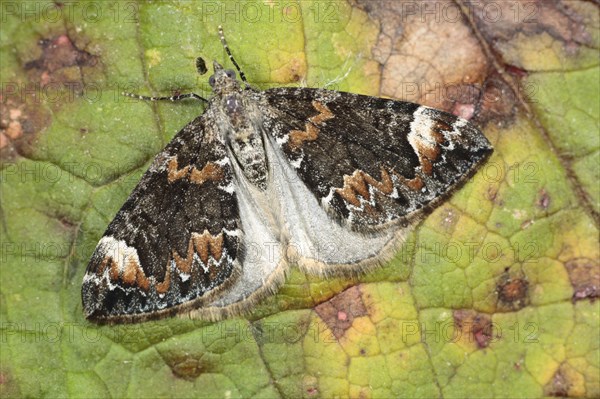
(171, 98)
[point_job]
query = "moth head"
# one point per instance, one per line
(223, 80)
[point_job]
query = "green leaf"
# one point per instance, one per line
(491, 296)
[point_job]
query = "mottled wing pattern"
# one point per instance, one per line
(176, 242)
(372, 162)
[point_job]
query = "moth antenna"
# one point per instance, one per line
(226, 47)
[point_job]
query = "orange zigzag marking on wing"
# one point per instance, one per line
(358, 183)
(132, 273)
(210, 172)
(204, 245)
(311, 129)
(426, 151)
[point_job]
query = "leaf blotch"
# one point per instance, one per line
(543, 200)
(21, 121)
(567, 382)
(498, 102)
(60, 64)
(341, 310)
(584, 274)
(477, 326)
(513, 292)
(186, 367)
(559, 386)
(8, 386)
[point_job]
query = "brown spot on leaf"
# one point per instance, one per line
(8, 385)
(567, 382)
(53, 79)
(584, 274)
(526, 224)
(296, 69)
(558, 386)
(186, 366)
(477, 326)
(310, 384)
(60, 62)
(529, 18)
(449, 219)
(20, 121)
(492, 193)
(543, 201)
(341, 310)
(410, 32)
(463, 99)
(465, 111)
(498, 103)
(14, 130)
(517, 366)
(512, 292)
(516, 71)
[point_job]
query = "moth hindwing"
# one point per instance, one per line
(264, 180)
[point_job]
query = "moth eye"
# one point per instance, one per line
(211, 81)
(230, 74)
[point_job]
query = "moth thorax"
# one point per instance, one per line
(248, 150)
(236, 111)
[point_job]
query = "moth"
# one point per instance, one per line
(326, 181)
